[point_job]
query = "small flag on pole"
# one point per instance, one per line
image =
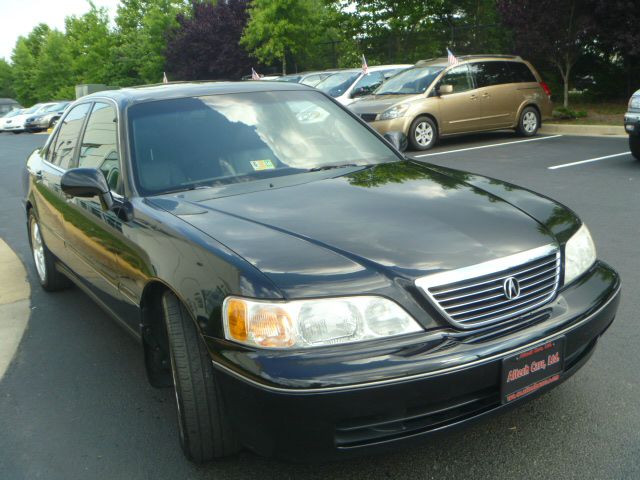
(451, 58)
(365, 67)
(254, 75)
(164, 77)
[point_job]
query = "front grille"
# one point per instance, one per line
(368, 117)
(476, 296)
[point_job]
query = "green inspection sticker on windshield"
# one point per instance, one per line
(262, 165)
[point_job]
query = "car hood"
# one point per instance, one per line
(380, 103)
(360, 231)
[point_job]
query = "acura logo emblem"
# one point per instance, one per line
(511, 288)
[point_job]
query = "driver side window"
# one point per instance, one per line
(459, 78)
(99, 147)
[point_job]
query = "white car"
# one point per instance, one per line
(9, 116)
(15, 124)
(347, 85)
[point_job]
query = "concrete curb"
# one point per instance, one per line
(14, 305)
(590, 130)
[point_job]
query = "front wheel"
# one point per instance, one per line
(634, 146)
(205, 431)
(529, 122)
(423, 133)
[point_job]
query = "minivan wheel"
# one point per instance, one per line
(205, 431)
(529, 122)
(634, 146)
(423, 133)
(49, 277)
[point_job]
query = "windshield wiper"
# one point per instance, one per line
(331, 167)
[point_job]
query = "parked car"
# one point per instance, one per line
(435, 99)
(7, 105)
(7, 117)
(16, 124)
(46, 118)
(307, 290)
(632, 124)
(306, 78)
(347, 85)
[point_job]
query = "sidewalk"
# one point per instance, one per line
(590, 130)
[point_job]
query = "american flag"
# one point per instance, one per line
(451, 58)
(164, 77)
(254, 75)
(365, 67)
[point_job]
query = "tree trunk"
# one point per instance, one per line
(284, 63)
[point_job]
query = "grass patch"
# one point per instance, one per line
(590, 113)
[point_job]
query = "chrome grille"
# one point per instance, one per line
(475, 296)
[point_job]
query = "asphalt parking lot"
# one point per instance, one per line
(75, 403)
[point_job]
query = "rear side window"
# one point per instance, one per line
(99, 147)
(491, 73)
(62, 152)
(521, 72)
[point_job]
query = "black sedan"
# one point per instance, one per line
(307, 290)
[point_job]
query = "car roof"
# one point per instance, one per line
(131, 95)
(444, 61)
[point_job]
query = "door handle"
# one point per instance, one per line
(473, 96)
(485, 95)
(38, 174)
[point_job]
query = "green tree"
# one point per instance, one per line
(278, 28)
(53, 74)
(142, 27)
(24, 59)
(89, 43)
(24, 73)
(6, 79)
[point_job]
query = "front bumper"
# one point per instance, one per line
(632, 123)
(345, 401)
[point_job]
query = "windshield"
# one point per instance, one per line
(216, 140)
(338, 83)
(55, 107)
(33, 109)
(289, 78)
(412, 81)
(13, 113)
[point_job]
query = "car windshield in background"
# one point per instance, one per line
(56, 107)
(13, 113)
(412, 81)
(289, 78)
(33, 109)
(216, 140)
(338, 83)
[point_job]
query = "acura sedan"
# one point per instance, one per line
(306, 290)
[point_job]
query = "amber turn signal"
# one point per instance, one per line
(237, 319)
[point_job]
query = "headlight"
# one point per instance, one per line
(579, 254)
(313, 323)
(394, 112)
(634, 102)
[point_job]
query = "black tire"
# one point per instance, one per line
(529, 122)
(48, 275)
(634, 146)
(419, 133)
(205, 432)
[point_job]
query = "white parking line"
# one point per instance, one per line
(487, 146)
(564, 165)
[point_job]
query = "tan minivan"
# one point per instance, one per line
(434, 99)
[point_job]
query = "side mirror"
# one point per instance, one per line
(445, 89)
(87, 183)
(359, 92)
(397, 139)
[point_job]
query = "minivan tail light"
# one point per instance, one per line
(546, 89)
